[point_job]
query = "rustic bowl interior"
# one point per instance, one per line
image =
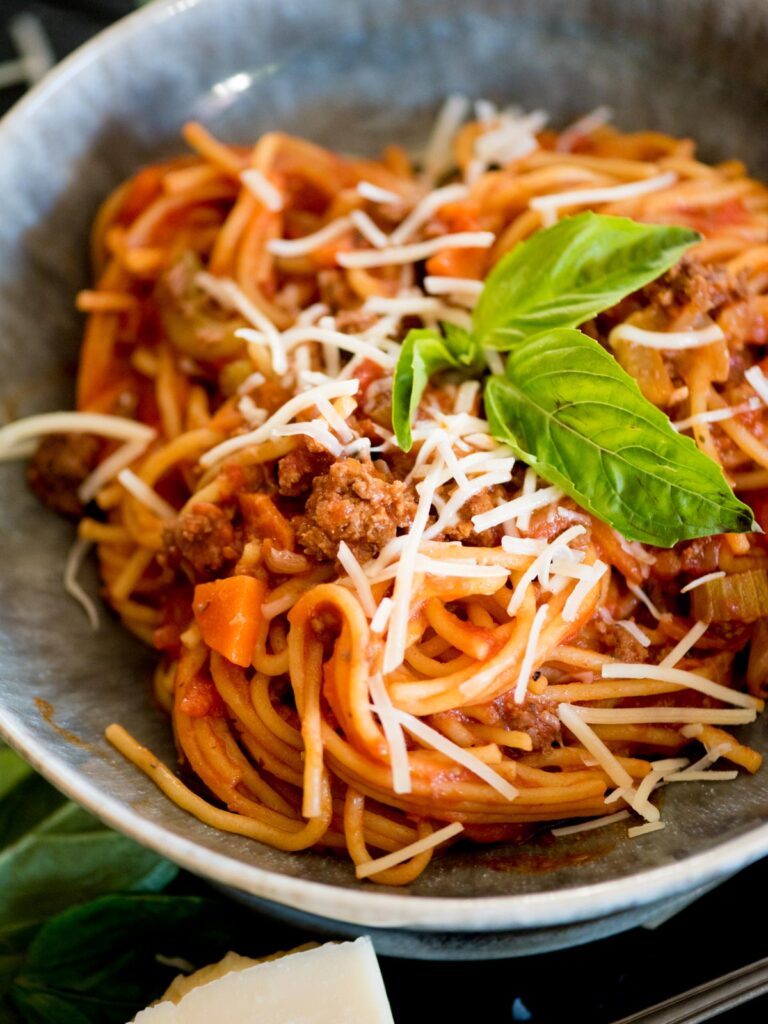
(353, 74)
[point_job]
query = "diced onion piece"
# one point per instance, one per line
(740, 597)
(647, 366)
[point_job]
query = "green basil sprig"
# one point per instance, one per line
(568, 273)
(564, 405)
(426, 351)
(567, 407)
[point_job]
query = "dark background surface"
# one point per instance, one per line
(593, 984)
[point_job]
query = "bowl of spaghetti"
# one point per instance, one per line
(417, 458)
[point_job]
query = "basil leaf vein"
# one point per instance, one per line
(568, 409)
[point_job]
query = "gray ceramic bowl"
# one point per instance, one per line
(353, 74)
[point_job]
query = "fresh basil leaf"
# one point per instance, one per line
(12, 770)
(68, 857)
(565, 274)
(97, 963)
(28, 803)
(568, 409)
(426, 351)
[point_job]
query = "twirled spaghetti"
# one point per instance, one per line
(363, 646)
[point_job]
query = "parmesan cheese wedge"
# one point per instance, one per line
(332, 984)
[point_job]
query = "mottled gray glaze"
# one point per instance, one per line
(354, 74)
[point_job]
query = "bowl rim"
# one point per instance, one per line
(383, 908)
(374, 907)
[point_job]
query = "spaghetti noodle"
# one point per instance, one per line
(361, 646)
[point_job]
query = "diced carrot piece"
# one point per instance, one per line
(263, 519)
(458, 263)
(228, 613)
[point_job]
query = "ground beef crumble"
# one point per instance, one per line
(58, 467)
(463, 529)
(297, 470)
(204, 538)
(537, 716)
(692, 283)
(354, 503)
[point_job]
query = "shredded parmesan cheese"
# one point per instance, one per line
(230, 296)
(511, 510)
(432, 738)
(376, 194)
(677, 340)
(582, 590)
(526, 665)
(583, 126)
(642, 830)
(394, 255)
(640, 716)
(681, 648)
(702, 579)
(393, 731)
(390, 860)
(310, 243)
(370, 231)
(549, 205)
(759, 382)
(438, 152)
(107, 470)
(717, 415)
(426, 209)
(381, 615)
(703, 776)
(394, 651)
(634, 631)
(664, 674)
(75, 558)
(358, 577)
(32, 427)
(641, 595)
(453, 286)
(316, 429)
(588, 826)
(575, 721)
(251, 382)
(143, 492)
(287, 412)
(263, 189)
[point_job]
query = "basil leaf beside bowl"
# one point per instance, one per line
(566, 274)
(568, 409)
